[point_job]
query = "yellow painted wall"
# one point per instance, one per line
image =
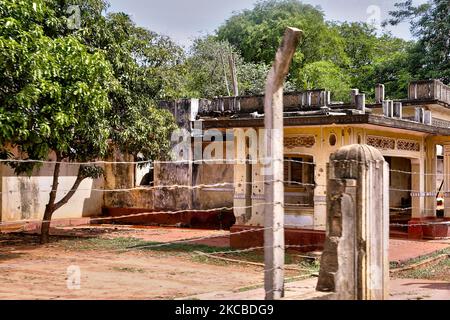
(321, 151)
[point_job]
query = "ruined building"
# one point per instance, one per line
(413, 135)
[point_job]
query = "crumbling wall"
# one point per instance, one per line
(217, 196)
(168, 197)
(25, 197)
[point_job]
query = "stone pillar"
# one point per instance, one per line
(398, 110)
(417, 198)
(257, 195)
(360, 101)
(379, 93)
(353, 94)
(428, 118)
(447, 181)
(355, 263)
(388, 108)
(419, 115)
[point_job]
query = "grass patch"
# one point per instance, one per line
(129, 244)
(439, 271)
(179, 247)
(133, 244)
(99, 243)
(436, 271)
(394, 265)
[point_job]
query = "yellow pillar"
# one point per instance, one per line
(242, 180)
(447, 181)
(418, 187)
(430, 179)
(320, 194)
(257, 195)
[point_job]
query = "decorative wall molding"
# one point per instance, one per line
(299, 141)
(408, 145)
(381, 142)
(441, 123)
(384, 143)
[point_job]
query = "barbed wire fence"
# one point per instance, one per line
(232, 208)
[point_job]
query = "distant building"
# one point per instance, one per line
(413, 134)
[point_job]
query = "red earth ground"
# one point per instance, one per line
(32, 271)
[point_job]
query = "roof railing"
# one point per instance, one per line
(429, 89)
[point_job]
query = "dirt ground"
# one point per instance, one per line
(116, 263)
(107, 271)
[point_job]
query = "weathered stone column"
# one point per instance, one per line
(355, 264)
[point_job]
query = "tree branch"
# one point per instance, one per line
(72, 191)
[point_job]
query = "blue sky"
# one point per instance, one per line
(184, 20)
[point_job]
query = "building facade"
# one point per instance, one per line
(220, 178)
(413, 135)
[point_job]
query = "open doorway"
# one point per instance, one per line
(400, 186)
(299, 181)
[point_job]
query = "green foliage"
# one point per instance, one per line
(360, 43)
(208, 68)
(73, 91)
(356, 56)
(257, 33)
(148, 67)
(326, 75)
(252, 78)
(430, 23)
(54, 91)
(375, 59)
(209, 71)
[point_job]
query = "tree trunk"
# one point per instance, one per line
(52, 206)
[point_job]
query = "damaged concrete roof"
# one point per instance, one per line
(314, 107)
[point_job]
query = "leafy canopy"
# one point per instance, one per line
(430, 23)
(54, 90)
(76, 91)
(332, 55)
(209, 73)
(257, 33)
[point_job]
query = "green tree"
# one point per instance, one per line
(209, 73)
(257, 33)
(74, 92)
(430, 23)
(148, 67)
(375, 59)
(53, 97)
(326, 75)
(391, 66)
